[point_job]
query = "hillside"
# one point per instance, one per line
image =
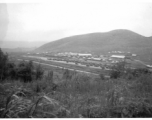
(100, 43)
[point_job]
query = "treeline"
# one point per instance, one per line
(24, 71)
(119, 71)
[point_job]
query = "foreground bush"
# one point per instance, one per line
(25, 71)
(80, 96)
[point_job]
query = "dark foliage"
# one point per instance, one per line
(24, 70)
(117, 70)
(67, 74)
(39, 72)
(140, 71)
(3, 65)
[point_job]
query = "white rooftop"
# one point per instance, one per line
(118, 56)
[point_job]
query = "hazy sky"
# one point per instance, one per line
(47, 21)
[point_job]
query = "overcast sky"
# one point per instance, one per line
(45, 22)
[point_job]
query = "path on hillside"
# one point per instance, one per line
(140, 62)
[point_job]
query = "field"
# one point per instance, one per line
(62, 93)
(94, 71)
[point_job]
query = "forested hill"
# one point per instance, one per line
(123, 40)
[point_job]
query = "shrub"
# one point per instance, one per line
(102, 76)
(39, 72)
(25, 71)
(140, 71)
(12, 71)
(67, 74)
(117, 70)
(50, 76)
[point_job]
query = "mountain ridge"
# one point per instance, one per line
(93, 41)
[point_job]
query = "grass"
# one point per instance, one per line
(76, 95)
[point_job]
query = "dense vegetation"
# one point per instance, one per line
(26, 92)
(24, 71)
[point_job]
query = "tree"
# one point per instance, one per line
(117, 70)
(67, 74)
(25, 71)
(102, 76)
(39, 72)
(3, 65)
(12, 70)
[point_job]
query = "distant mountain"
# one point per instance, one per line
(99, 42)
(21, 44)
(9, 50)
(123, 40)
